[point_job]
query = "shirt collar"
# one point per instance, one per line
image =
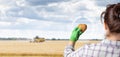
(111, 43)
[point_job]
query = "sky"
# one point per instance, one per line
(51, 18)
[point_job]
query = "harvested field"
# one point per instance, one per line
(27, 49)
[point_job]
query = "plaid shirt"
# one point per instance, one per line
(105, 48)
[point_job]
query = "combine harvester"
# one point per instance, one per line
(38, 39)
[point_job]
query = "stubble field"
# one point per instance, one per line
(44, 49)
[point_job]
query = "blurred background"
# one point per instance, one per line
(51, 18)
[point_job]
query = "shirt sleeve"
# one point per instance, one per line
(69, 52)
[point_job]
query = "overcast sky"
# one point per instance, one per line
(51, 18)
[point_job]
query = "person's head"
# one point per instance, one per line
(111, 18)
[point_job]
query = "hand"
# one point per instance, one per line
(75, 34)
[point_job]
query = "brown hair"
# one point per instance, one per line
(111, 17)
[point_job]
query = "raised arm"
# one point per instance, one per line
(69, 50)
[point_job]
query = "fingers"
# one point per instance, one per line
(78, 29)
(80, 33)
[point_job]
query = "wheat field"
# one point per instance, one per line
(44, 49)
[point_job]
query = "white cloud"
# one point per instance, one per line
(2, 23)
(48, 20)
(24, 20)
(20, 3)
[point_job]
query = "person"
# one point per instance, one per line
(108, 47)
